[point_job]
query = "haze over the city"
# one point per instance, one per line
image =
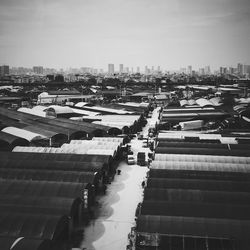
(169, 33)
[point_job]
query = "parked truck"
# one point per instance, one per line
(141, 159)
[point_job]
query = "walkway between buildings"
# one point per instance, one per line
(116, 211)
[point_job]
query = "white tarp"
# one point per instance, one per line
(29, 136)
(203, 102)
(32, 111)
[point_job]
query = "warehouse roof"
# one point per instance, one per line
(33, 226)
(205, 227)
(12, 140)
(27, 135)
(202, 158)
(201, 166)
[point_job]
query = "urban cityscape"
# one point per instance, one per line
(124, 125)
(29, 75)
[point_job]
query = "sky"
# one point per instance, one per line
(93, 33)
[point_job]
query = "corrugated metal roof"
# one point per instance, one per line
(34, 226)
(202, 196)
(202, 151)
(202, 158)
(205, 227)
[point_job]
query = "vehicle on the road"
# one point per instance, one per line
(130, 160)
(145, 143)
(141, 159)
(140, 136)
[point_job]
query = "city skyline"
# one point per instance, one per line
(172, 34)
(121, 68)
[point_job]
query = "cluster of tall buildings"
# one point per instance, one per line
(202, 71)
(122, 69)
(4, 70)
(241, 70)
(38, 70)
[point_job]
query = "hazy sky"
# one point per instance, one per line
(169, 33)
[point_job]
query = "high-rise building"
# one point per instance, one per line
(231, 70)
(138, 70)
(147, 70)
(246, 69)
(240, 68)
(111, 69)
(207, 70)
(183, 70)
(127, 70)
(189, 69)
(158, 68)
(38, 70)
(4, 70)
(223, 70)
(202, 71)
(121, 68)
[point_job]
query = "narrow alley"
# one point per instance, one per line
(116, 212)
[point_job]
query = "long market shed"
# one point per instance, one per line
(8, 141)
(27, 135)
(51, 165)
(33, 244)
(201, 145)
(195, 209)
(192, 195)
(90, 129)
(200, 184)
(194, 226)
(201, 166)
(202, 151)
(202, 158)
(105, 160)
(187, 173)
(21, 243)
(37, 226)
(43, 205)
(50, 175)
(41, 188)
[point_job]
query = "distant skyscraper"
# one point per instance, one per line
(147, 71)
(202, 71)
(231, 70)
(127, 70)
(207, 70)
(189, 70)
(38, 70)
(183, 70)
(153, 69)
(223, 70)
(158, 68)
(121, 68)
(246, 69)
(4, 70)
(111, 69)
(138, 70)
(132, 70)
(240, 68)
